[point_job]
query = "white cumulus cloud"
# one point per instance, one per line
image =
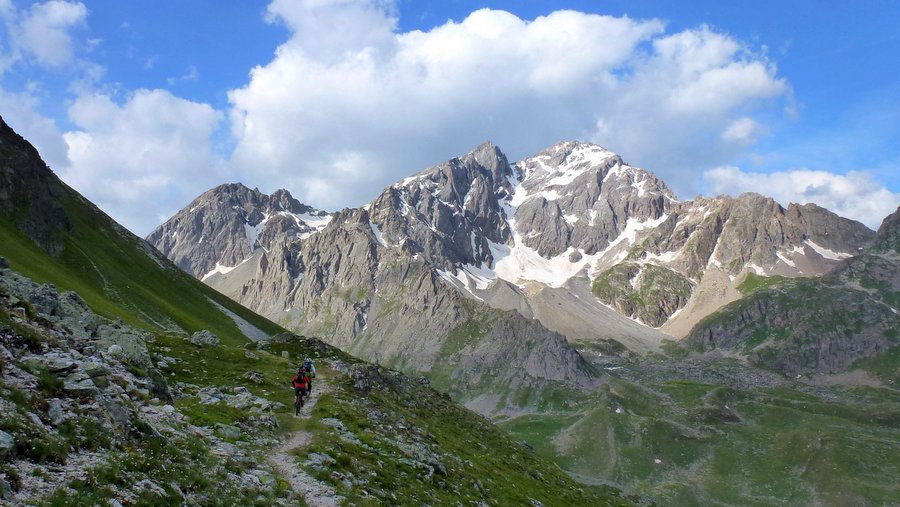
(853, 195)
(143, 159)
(44, 31)
(350, 104)
(20, 112)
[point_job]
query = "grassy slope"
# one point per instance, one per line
(489, 465)
(117, 276)
(784, 447)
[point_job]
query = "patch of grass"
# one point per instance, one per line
(753, 282)
(885, 366)
(683, 442)
(479, 462)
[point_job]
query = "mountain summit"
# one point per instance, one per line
(573, 226)
(225, 225)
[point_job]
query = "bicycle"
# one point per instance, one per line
(298, 401)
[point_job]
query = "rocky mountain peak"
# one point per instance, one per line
(887, 239)
(223, 226)
(29, 192)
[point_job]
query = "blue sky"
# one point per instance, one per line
(143, 105)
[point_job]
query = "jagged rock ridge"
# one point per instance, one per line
(531, 237)
(226, 224)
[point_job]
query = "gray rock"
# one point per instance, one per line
(83, 387)
(6, 491)
(334, 423)
(118, 413)
(56, 411)
(7, 442)
(205, 339)
(115, 350)
(35, 420)
(228, 431)
(220, 217)
(132, 342)
(210, 396)
(57, 362)
(94, 369)
(45, 300)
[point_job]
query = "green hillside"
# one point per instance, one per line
(82, 249)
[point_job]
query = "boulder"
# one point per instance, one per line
(210, 396)
(56, 411)
(45, 300)
(159, 388)
(228, 431)
(7, 442)
(132, 342)
(84, 387)
(205, 339)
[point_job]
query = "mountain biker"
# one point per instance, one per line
(300, 383)
(310, 372)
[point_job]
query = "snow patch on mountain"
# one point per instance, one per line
(826, 253)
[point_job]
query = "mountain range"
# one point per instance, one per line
(720, 351)
(572, 241)
(125, 381)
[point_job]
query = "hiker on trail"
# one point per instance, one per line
(310, 372)
(300, 382)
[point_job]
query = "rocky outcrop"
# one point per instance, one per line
(29, 193)
(648, 293)
(801, 327)
(70, 409)
(819, 325)
(225, 225)
(887, 239)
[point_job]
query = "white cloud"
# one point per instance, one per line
(20, 112)
(191, 74)
(149, 155)
(855, 195)
(742, 130)
(45, 31)
(349, 104)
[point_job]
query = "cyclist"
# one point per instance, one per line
(300, 383)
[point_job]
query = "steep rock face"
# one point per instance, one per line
(226, 224)
(447, 213)
(800, 327)
(580, 196)
(815, 325)
(29, 193)
(887, 239)
(515, 235)
(648, 292)
(386, 304)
